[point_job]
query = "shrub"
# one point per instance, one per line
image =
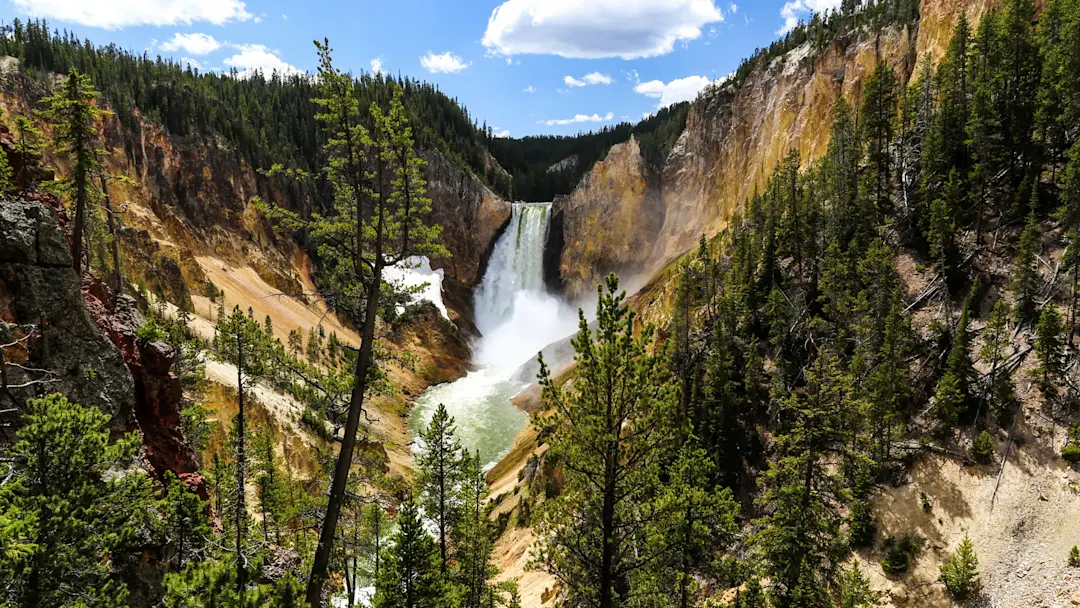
(1071, 452)
(1074, 557)
(899, 553)
(961, 573)
(983, 448)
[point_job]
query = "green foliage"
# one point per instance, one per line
(1001, 393)
(1050, 351)
(73, 112)
(68, 525)
(211, 583)
(983, 448)
(855, 591)
(700, 523)
(616, 426)
(1074, 557)
(441, 471)
(961, 573)
(800, 540)
(409, 577)
(186, 524)
(1071, 450)
(899, 552)
(1026, 281)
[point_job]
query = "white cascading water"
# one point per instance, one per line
(516, 317)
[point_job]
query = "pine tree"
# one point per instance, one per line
(440, 473)
(270, 490)
(698, 522)
(983, 448)
(1000, 393)
(610, 430)
(877, 120)
(28, 143)
(73, 111)
(855, 591)
(953, 392)
(889, 387)
(1069, 217)
(474, 535)
(241, 342)
(7, 174)
(799, 542)
(961, 573)
(1050, 352)
(1026, 281)
(186, 524)
(984, 130)
(80, 520)
(941, 230)
(409, 577)
(373, 224)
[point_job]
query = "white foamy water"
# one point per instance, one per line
(516, 317)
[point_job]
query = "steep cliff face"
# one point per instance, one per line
(618, 205)
(52, 344)
(472, 216)
(733, 138)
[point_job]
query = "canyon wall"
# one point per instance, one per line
(733, 138)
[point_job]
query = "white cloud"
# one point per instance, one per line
(630, 29)
(253, 58)
(529, 89)
(734, 8)
(376, 65)
(117, 14)
(284, 17)
(678, 90)
(578, 118)
(501, 133)
(195, 65)
(446, 63)
(193, 44)
(593, 78)
(795, 10)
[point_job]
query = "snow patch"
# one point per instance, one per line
(416, 273)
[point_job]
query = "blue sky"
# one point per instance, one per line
(523, 66)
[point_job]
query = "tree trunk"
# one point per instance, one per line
(80, 217)
(348, 444)
(118, 281)
(241, 507)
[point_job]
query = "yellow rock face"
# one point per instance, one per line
(732, 140)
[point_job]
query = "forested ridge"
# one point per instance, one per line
(730, 457)
(267, 119)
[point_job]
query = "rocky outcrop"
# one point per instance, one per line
(610, 222)
(58, 347)
(67, 340)
(472, 217)
(734, 136)
(158, 392)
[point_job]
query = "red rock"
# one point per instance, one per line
(158, 392)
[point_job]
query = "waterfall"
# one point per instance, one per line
(516, 265)
(514, 312)
(516, 317)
